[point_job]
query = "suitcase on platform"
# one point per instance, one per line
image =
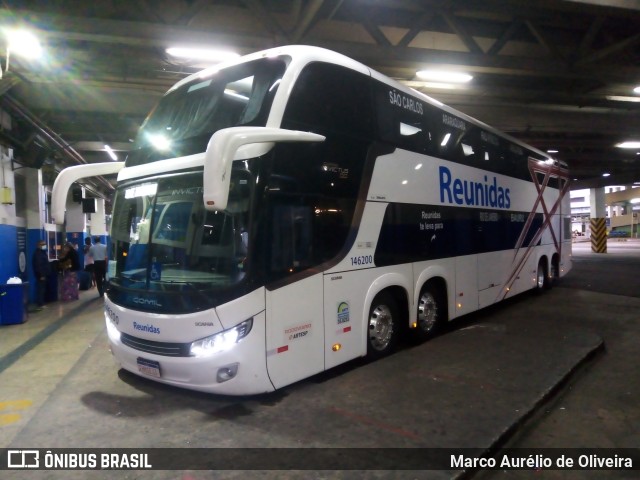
(84, 279)
(69, 286)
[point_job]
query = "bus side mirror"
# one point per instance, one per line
(69, 175)
(239, 143)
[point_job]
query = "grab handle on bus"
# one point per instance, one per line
(223, 148)
(69, 175)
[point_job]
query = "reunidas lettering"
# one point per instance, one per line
(468, 192)
(146, 328)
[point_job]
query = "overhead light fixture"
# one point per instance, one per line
(159, 141)
(202, 54)
(620, 98)
(111, 153)
(23, 43)
(631, 144)
(443, 76)
(637, 89)
(442, 86)
(606, 174)
(552, 151)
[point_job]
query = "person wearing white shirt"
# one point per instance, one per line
(98, 252)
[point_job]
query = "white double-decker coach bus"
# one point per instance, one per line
(292, 210)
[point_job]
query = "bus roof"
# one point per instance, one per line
(301, 55)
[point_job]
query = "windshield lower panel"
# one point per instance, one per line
(170, 254)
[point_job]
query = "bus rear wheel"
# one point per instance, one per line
(430, 314)
(554, 273)
(542, 280)
(383, 328)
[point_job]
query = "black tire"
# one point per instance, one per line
(383, 327)
(542, 278)
(554, 274)
(431, 313)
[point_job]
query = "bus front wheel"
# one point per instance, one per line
(383, 327)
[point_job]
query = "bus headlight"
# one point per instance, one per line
(112, 330)
(221, 341)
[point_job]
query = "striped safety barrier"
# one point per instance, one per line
(599, 235)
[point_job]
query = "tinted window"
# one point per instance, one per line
(333, 98)
(311, 190)
(184, 120)
(409, 122)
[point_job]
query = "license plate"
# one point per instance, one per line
(149, 367)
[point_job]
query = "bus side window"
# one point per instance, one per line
(329, 97)
(409, 128)
(291, 238)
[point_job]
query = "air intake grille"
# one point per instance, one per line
(158, 348)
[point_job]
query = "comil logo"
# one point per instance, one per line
(23, 459)
(147, 301)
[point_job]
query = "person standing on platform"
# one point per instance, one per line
(42, 270)
(99, 253)
(88, 261)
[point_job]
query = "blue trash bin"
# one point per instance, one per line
(14, 301)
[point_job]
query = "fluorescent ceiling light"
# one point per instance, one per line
(445, 140)
(159, 141)
(552, 151)
(618, 98)
(24, 43)
(631, 144)
(443, 86)
(202, 54)
(144, 190)
(111, 153)
(634, 200)
(444, 76)
(606, 174)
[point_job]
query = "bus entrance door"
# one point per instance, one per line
(295, 332)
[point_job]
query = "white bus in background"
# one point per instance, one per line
(293, 210)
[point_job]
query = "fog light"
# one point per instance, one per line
(227, 372)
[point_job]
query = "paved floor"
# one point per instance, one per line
(600, 408)
(531, 372)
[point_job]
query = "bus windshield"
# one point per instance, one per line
(185, 118)
(164, 243)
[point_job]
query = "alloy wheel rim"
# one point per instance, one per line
(427, 312)
(380, 327)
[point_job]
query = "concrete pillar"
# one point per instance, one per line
(596, 201)
(8, 220)
(76, 221)
(98, 220)
(598, 220)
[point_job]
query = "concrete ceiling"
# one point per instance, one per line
(544, 71)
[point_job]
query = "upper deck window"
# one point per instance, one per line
(184, 120)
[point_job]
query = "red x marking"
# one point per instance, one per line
(549, 171)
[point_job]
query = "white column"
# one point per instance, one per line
(98, 221)
(596, 200)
